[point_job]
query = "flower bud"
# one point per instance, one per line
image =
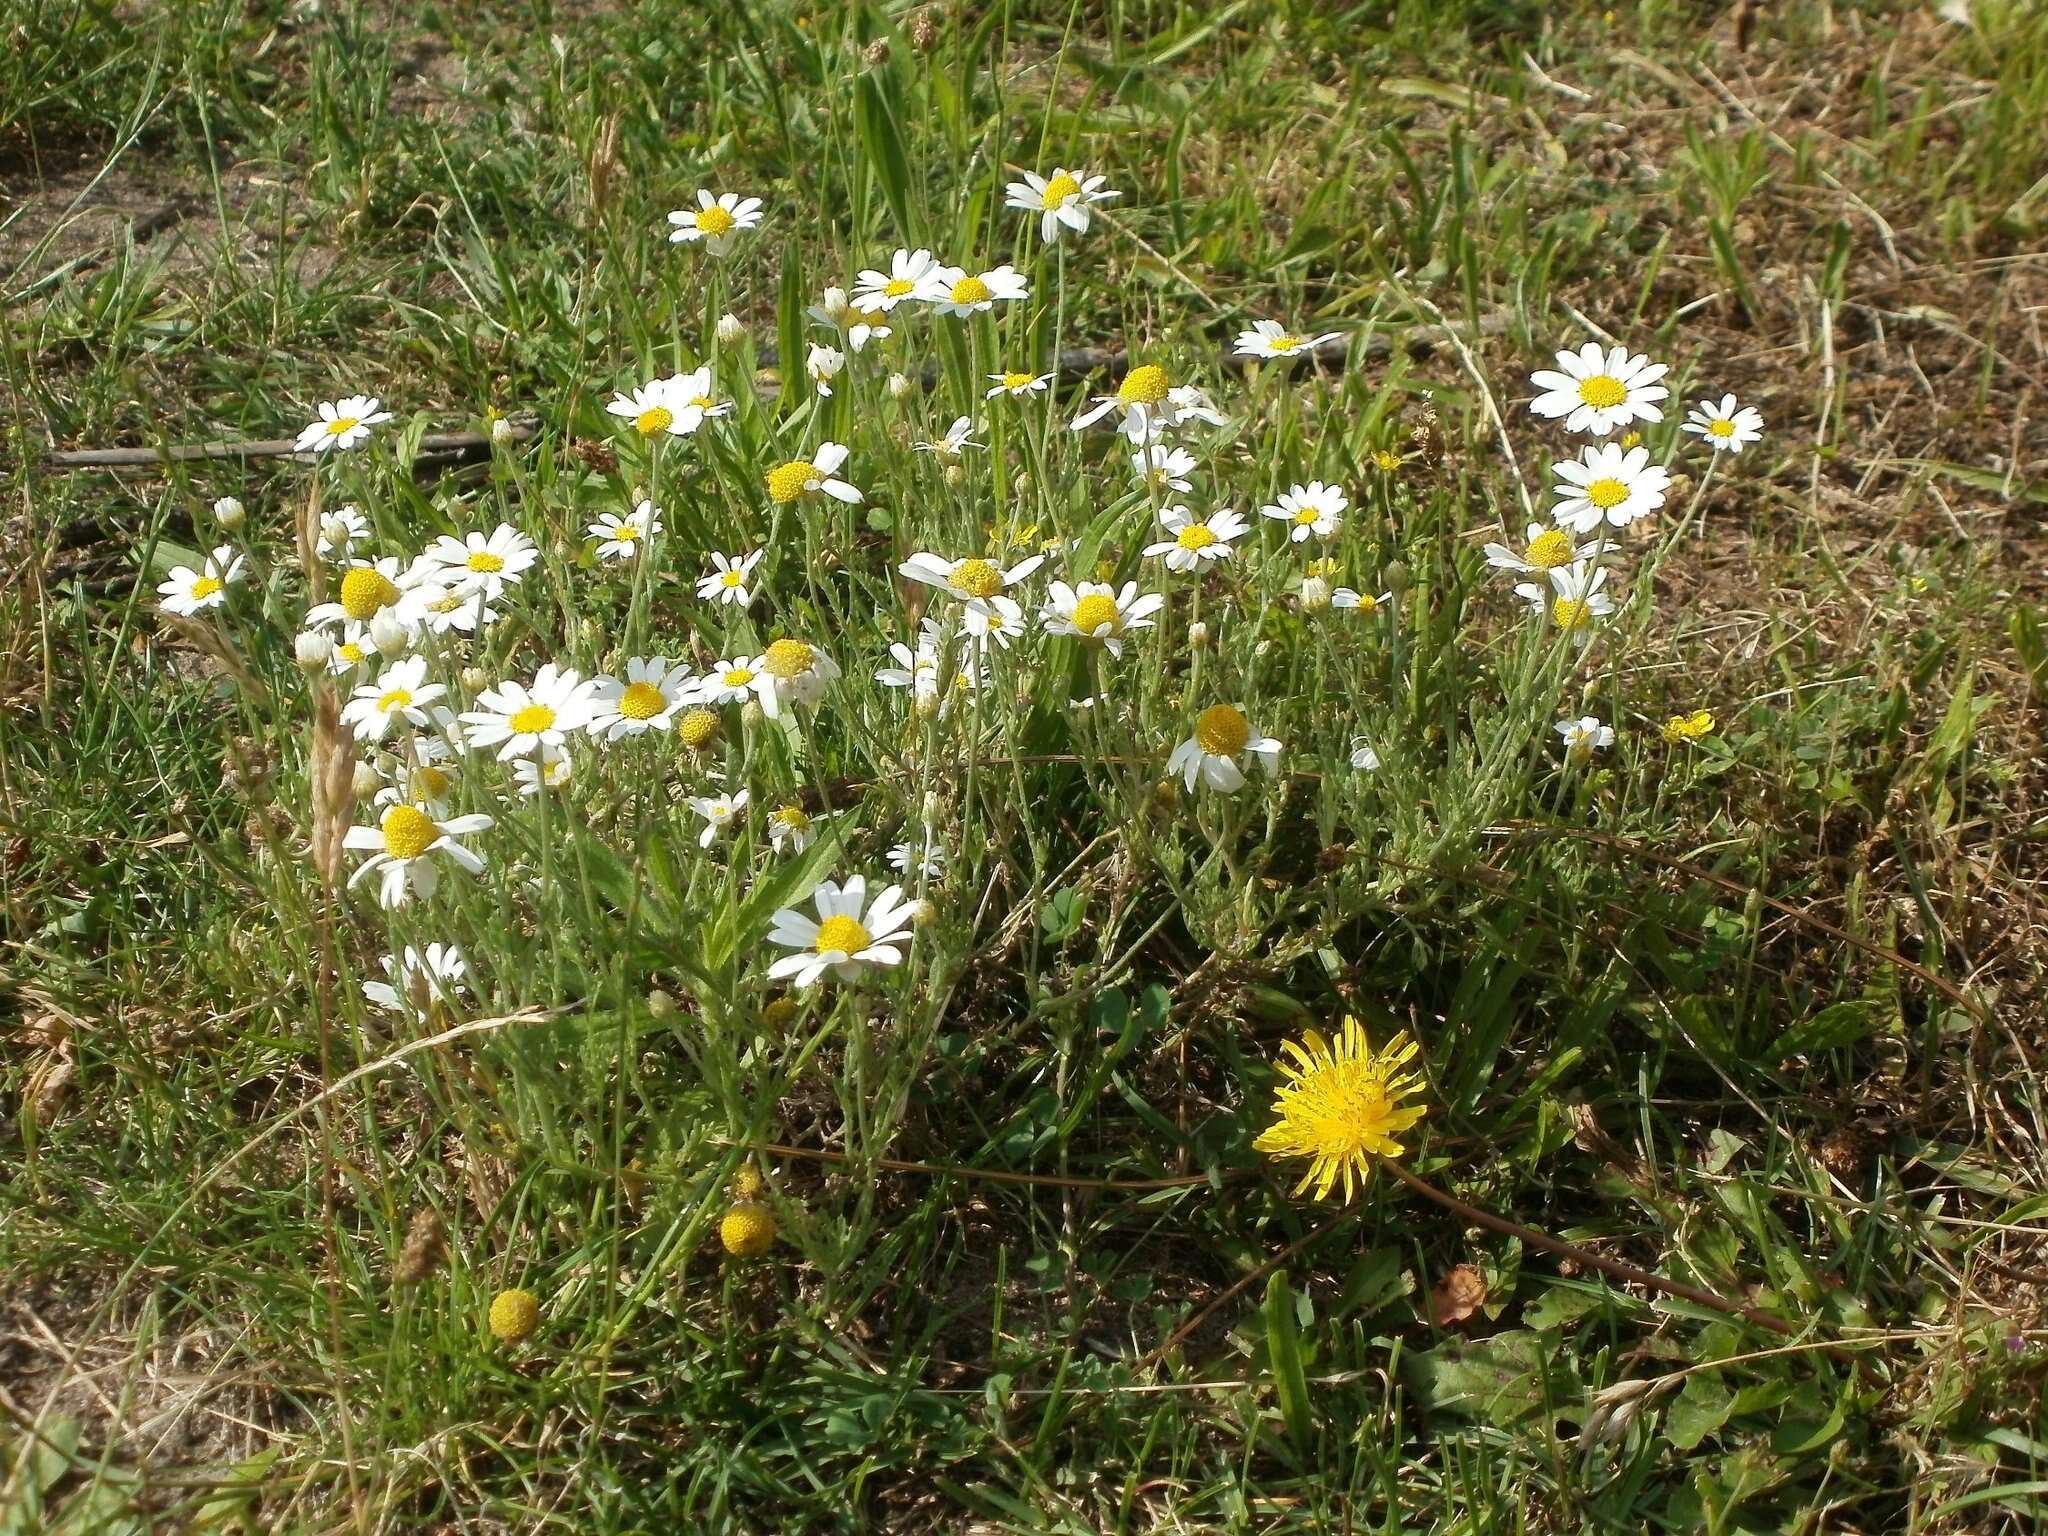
(312, 651)
(751, 714)
(501, 432)
(923, 914)
(1398, 577)
(389, 634)
(955, 475)
(1198, 635)
(901, 386)
(730, 329)
(366, 782)
(659, 1004)
(474, 679)
(835, 306)
(229, 513)
(1315, 594)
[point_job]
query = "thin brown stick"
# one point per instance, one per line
(436, 443)
(987, 1175)
(1599, 1261)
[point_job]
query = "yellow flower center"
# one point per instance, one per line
(1195, 536)
(1549, 550)
(641, 701)
(788, 481)
(1326, 567)
(737, 677)
(1721, 426)
(349, 652)
(1094, 611)
(483, 560)
(656, 418)
(871, 318)
(1367, 603)
(1631, 440)
(341, 424)
(1387, 461)
(365, 592)
(1569, 613)
(394, 698)
(625, 533)
(977, 578)
(731, 579)
(1018, 380)
(699, 729)
(1603, 391)
(408, 832)
(205, 586)
(897, 287)
(429, 782)
(1222, 731)
(793, 817)
(1058, 190)
(1606, 492)
(714, 220)
(531, 720)
(703, 402)
(843, 934)
(448, 604)
(788, 659)
(971, 290)
(1306, 516)
(1145, 385)
(1284, 343)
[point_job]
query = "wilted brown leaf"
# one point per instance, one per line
(1457, 1296)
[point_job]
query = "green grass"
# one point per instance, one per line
(1760, 1014)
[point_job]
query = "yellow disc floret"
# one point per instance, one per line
(1549, 550)
(1606, 492)
(408, 832)
(514, 1315)
(531, 720)
(698, 729)
(1195, 536)
(748, 1230)
(1603, 391)
(1222, 731)
(789, 659)
(1018, 380)
(641, 701)
(483, 560)
(1570, 613)
(1095, 611)
(366, 592)
(1057, 191)
(715, 220)
(971, 290)
(840, 935)
(977, 578)
(1145, 385)
(204, 587)
(656, 418)
(788, 481)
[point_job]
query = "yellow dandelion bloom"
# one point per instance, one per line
(1340, 1106)
(1689, 727)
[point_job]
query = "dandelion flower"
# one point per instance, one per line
(188, 591)
(1164, 469)
(622, 538)
(1222, 735)
(518, 717)
(719, 813)
(1269, 339)
(481, 565)
(958, 436)
(1727, 425)
(645, 699)
(1543, 549)
(1693, 727)
(727, 583)
(402, 847)
(339, 531)
(716, 221)
(419, 980)
(1584, 736)
(400, 692)
(1062, 200)
(1313, 509)
(911, 275)
(1574, 597)
(1608, 484)
(1598, 393)
(1340, 1106)
(823, 365)
(1098, 612)
(1196, 540)
(1017, 385)
(979, 585)
(956, 291)
(849, 933)
(803, 477)
(343, 424)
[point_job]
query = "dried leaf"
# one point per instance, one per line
(1457, 1296)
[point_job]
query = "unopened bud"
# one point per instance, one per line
(901, 386)
(834, 304)
(730, 329)
(501, 432)
(926, 705)
(312, 651)
(659, 1004)
(1315, 594)
(1398, 577)
(366, 782)
(229, 513)
(590, 633)
(955, 475)
(751, 714)
(389, 634)
(1198, 635)
(474, 679)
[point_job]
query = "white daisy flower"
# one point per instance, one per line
(1727, 425)
(918, 671)
(931, 863)
(1196, 540)
(797, 672)
(1268, 338)
(1608, 484)
(1363, 758)
(1599, 392)
(1584, 736)
(792, 829)
(1017, 385)
(550, 769)
(353, 649)
(339, 531)
(481, 565)
(823, 366)
(1061, 200)
(1364, 602)
(419, 771)
(188, 591)
(1098, 612)
(402, 847)
(443, 610)
(1190, 403)
(650, 408)
(844, 937)
(979, 585)
(419, 981)
(958, 436)
(956, 291)
(645, 699)
(622, 538)
(1146, 399)
(689, 399)
(803, 477)
(735, 681)
(728, 582)
(401, 692)
(1163, 468)
(868, 325)
(716, 221)
(1222, 735)
(1574, 597)
(1543, 549)
(523, 717)
(911, 275)
(1314, 508)
(719, 813)
(368, 588)
(343, 424)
